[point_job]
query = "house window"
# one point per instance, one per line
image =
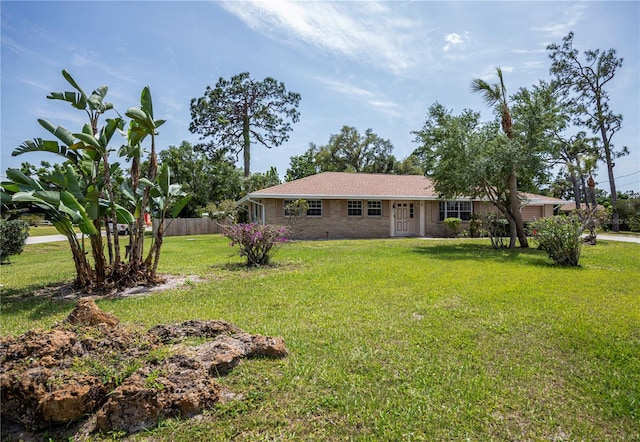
(354, 208)
(374, 208)
(456, 209)
(315, 208)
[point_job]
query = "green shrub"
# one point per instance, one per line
(560, 237)
(257, 242)
(453, 224)
(13, 236)
(496, 227)
(633, 222)
(475, 226)
(225, 212)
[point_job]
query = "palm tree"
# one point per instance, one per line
(496, 95)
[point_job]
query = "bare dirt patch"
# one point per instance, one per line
(167, 282)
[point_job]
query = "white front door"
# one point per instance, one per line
(404, 218)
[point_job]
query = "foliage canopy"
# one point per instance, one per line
(241, 111)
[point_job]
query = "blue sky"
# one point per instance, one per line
(376, 65)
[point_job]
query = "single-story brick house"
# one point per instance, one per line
(361, 205)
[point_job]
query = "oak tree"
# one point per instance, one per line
(347, 151)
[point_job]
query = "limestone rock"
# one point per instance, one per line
(88, 313)
(193, 328)
(81, 368)
(131, 407)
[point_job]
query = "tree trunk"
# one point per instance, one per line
(505, 210)
(109, 241)
(137, 237)
(513, 232)
(246, 147)
(84, 277)
(158, 246)
(576, 189)
(515, 204)
(591, 196)
(114, 255)
(152, 172)
(99, 261)
(615, 217)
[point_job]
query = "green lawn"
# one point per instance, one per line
(403, 339)
(42, 231)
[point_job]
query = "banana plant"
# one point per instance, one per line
(143, 125)
(61, 207)
(86, 193)
(166, 198)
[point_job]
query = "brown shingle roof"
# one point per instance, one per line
(569, 207)
(343, 185)
(535, 199)
(349, 185)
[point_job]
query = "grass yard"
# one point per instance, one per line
(399, 339)
(43, 230)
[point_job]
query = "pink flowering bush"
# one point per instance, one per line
(256, 241)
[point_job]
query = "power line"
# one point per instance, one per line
(627, 184)
(624, 176)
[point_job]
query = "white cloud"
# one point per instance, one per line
(25, 52)
(369, 32)
(489, 73)
(36, 84)
(570, 17)
(84, 58)
(375, 100)
(452, 40)
(60, 115)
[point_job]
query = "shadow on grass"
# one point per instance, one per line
(40, 300)
(484, 252)
(273, 266)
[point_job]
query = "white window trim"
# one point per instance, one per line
(357, 206)
(454, 213)
(310, 202)
(378, 207)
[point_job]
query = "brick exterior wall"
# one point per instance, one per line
(335, 222)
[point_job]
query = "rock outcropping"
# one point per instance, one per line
(90, 365)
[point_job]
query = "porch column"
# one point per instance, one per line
(392, 219)
(422, 218)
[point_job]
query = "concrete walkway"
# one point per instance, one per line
(622, 238)
(50, 238)
(46, 238)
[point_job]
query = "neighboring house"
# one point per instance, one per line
(360, 205)
(571, 207)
